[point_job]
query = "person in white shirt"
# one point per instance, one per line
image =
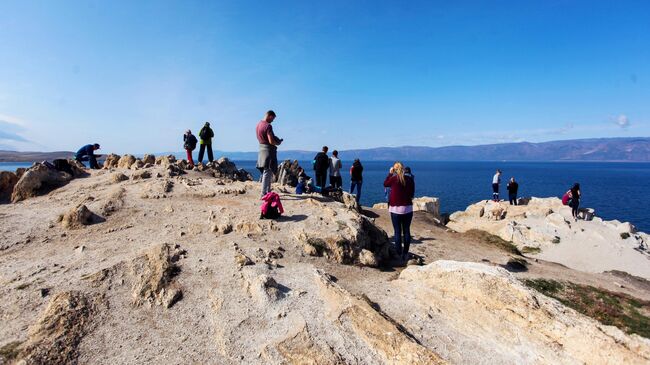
(335, 170)
(496, 180)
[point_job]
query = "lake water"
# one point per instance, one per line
(615, 190)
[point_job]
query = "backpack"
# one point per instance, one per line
(204, 134)
(321, 162)
(271, 207)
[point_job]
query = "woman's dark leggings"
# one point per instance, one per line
(402, 226)
(574, 209)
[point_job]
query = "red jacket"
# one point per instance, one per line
(400, 195)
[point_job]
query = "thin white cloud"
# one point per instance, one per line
(622, 121)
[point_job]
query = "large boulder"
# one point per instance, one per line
(37, 180)
(111, 161)
(427, 204)
(165, 160)
(224, 168)
(287, 173)
(7, 182)
(149, 159)
(126, 161)
(349, 200)
(77, 217)
(481, 307)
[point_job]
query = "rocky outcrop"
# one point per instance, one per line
(165, 160)
(224, 168)
(7, 182)
(287, 173)
(485, 305)
(149, 159)
(37, 180)
(126, 161)
(77, 217)
(545, 225)
(111, 161)
(349, 200)
(119, 177)
(155, 277)
(56, 337)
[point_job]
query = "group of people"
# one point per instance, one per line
(570, 198)
(399, 184)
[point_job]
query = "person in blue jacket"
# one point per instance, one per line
(87, 153)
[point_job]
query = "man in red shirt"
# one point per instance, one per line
(267, 158)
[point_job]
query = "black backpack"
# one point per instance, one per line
(204, 133)
(321, 161)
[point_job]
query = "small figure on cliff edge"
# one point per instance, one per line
(496, 180)
(512, 187)
(189, 143)
(267, 158)
(321, 163)
(87, 153)
(356, 178)
(205, 134)
(335, 166)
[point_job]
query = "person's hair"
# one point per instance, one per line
(407, 170)
(271, 113)
(96, 145)
(398, 169)
(335, 153)
(576, 186)
(188, 131)
(498, 171)
(325, 148)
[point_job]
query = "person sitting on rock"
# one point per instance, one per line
(190, 141)
(87, 153)
(321, 164)
(512, 191)
(205, 134)
(303, 182)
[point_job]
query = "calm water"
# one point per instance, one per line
(616, 190)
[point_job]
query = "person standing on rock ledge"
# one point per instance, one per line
(267, 158)
(321, 164)
(400, 206)
(512, 191)
(205, 134)
(189, 141)
(335, 170)
(356, 178)
(496, 180)
(87, 153)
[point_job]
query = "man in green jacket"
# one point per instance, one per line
(205, 141)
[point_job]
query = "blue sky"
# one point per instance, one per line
(133, 75)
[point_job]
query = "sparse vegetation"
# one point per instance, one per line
(625, 235)
(614, 309)
(530, 249)
(493, 240)
(556, 240)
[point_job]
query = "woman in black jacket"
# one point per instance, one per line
(356, 177)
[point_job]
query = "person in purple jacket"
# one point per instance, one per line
(400, 206)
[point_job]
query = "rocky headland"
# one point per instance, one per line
(146, 261)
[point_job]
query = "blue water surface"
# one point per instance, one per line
(615, 190)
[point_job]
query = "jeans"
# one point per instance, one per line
(91, 159)
(356, 184)
(321, 179)
(513, 198)
(267, 176)
(189, 157)
(402, 226)
(202, 150)
(575, 205)
(495, 192)
(336, 181)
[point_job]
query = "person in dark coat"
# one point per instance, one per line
(189, 143)
(321, 165)
(205, 134)
(574, 202)
(400, 206)
(356, 178)
(87, 153)
(512, 191)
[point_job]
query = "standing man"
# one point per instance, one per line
(335, 170)
(512, 191)
(206, 135)
(267, 158)
(321, 164)
(496, 180)
(189, 142)
(87, 153)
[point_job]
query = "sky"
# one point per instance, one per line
(134, 75)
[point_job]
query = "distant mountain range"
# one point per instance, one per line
(633, 149)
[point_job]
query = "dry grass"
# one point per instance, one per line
(493, 240)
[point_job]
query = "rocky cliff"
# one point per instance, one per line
(155, 263)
